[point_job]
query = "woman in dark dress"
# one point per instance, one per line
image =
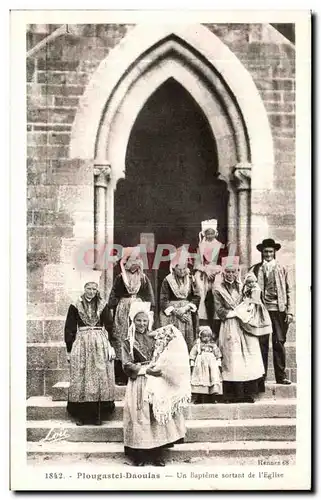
(91, 357)
(179, 299)
(130, 285)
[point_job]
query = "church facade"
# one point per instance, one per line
(138, 131)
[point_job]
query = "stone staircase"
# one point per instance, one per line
(229, 432)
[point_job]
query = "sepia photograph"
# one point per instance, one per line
(161, 295)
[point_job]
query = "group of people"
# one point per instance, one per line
(211, 341)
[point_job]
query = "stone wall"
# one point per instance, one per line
(270, 59)
(60, 190)
(272, 67)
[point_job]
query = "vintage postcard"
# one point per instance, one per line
(160, 229)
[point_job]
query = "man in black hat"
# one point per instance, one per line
(274, 282)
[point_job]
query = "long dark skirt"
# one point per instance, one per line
(120, 329)
(242, 391)
(91, 412)
(148, 455)
(120, 376)
(91, 391)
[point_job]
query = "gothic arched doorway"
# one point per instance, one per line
(119, 89)
(171, 179)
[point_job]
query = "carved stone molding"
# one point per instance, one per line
(242, 176)
(102, 174)
(223, 176)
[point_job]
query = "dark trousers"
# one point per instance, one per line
(279, 331)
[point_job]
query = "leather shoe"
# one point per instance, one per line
(285, 381)
(249, 399)
(139, 463)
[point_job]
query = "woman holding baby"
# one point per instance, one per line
(243, 319)
(158, 387)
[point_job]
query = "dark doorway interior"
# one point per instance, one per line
(171, 175)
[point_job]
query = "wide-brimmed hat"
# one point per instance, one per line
(268, 243)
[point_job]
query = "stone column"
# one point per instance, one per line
(242, 182)
(101, 181)
(232, 218)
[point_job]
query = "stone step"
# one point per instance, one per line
(47, 364)
(273, 391)
(44, 408)
(262, 429)
(227, 453)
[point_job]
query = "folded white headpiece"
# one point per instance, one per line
(209, 224)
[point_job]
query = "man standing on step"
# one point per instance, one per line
(273, 280)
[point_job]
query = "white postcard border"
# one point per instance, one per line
(24, 477)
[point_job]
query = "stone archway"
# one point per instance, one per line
(218, 82)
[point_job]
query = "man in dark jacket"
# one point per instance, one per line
(273, 280)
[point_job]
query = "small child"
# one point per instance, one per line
(251, 311)
(205, 362)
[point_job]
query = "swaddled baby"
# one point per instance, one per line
(251, 311)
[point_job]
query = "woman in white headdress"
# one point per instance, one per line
(242, 365)
(179, 298)
(130, 285)
(90, 354)
(206, 270)
(158, 388)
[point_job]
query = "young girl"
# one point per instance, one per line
(205, 362)
(206, 270)
(252, 313)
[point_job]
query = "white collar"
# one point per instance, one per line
(269, 264)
